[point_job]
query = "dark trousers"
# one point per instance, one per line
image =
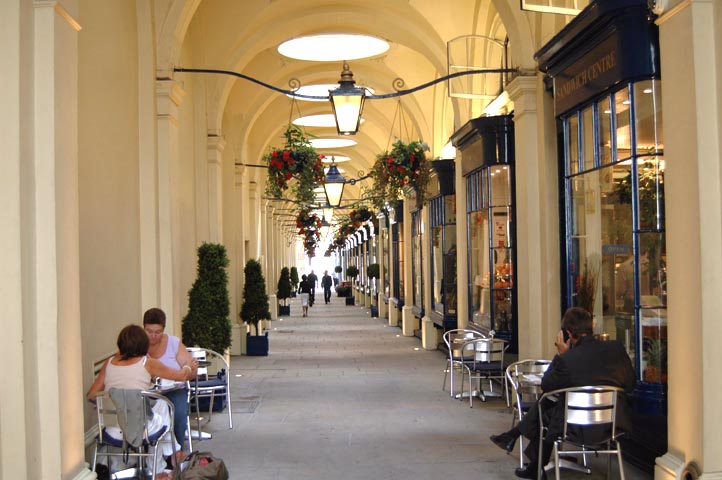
(529, 427)
(179, 398)
(311, 297)
(327, 294)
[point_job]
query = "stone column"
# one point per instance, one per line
(537, 249)
(691, 65)
(215, 147)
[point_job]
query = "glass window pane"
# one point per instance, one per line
(438, 268)
(653, 269)
(500, 185)
(622, 132)
(450, 209)
(387, 265)
(605, 131)
(578, 198)
(651, 193)
(501, 236)
(588, 139)
(479, 267)
(572, 135)
(484, 190)
(502, 310)
(648, 113)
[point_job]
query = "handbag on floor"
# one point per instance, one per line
(201, 466)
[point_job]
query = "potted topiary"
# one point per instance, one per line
(207, 324)
(255, 307)
(351, 273)
(294, 281)
(284, 293)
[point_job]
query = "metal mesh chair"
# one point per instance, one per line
(487, 365)
(127, 437)
(524, 379)
(589, 425)
(209, 384)
(459, 352)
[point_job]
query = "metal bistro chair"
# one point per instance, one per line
(210, 384)
(459, 352)
(524, 378)
(120, 438)
(487, 365)
(589, 425)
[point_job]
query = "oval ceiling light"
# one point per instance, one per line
(333, 47)
(332, 142)
(321, 120)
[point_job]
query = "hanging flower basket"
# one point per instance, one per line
(309, 227)
(297, 165)
(359, 216)
(405, 166)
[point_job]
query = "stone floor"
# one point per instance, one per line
(343, 396)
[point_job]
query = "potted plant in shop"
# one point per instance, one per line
(255, 308)
(284, 293)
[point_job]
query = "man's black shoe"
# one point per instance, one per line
(505, 441)
(529, 471)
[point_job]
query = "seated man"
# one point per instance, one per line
(582, 361)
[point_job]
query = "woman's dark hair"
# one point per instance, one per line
(304, 277)
(132, 342)
(154, 316)
(578, 321)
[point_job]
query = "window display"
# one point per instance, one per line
(443, 260)
(417, 275)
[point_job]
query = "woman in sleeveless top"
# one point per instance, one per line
(131, 368)
(170, 351)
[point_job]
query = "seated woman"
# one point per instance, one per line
(131, 368)
(171, 352)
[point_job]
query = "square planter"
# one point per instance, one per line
(257, 345)
(349, 300)
(284, 310)
(374, 311)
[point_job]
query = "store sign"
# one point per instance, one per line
(589, 75)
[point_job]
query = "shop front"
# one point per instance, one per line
(607, 93)
(487, 162)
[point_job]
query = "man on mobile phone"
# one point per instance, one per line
(590, 362)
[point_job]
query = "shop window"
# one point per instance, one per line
(615, 222)
(491, 245)
(417, 276)
(443, 259)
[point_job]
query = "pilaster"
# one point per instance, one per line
(215, 147)
(155, 211)
(537, 230)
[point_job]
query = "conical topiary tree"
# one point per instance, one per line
(255, 300)
(207, 324)
(294, 279)
(284, 285)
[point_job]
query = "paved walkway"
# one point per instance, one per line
(342, 396)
